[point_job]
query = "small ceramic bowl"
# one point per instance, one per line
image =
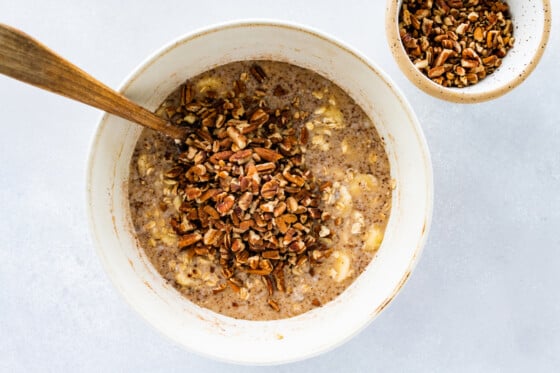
(260, 342)
(531, 21)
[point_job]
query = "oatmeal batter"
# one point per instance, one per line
(339, 150)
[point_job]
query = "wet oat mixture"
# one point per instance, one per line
(276, 201)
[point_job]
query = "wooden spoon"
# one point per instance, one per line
(25, 59)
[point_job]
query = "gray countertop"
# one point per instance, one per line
(484, 296)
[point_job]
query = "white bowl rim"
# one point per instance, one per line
(266, 22)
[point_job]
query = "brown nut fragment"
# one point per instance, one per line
(472, 16)
(268, 155)
(409, 41)
(472, 78)
(268, 206)
(212, 236)
(239, 139)
(220, 156)
(469, 64)
(491, 37)
(459, 70)
(490, 60)
(174, 172)
(246, 225)
(260, 272)
(269, 189)
(304, 135)
(436, 71)
(189, 240)
(455, 3)
(241, 155)
(268, 284)
(194, 171)
(295, 179)
(462, 28)
(192, 193)
(258, 73)
(211, 211)
(265, 167)
(207, 195)
(427, 25)
(279, 209)
(271, 254)
(442, 57)
(283, 222)
(291, 204)
(315, 213)
(274, 305)
(482, 27)
(478, 34)
(225, 205)
(219, 288)
(245, 200)
(259, 117)
(237, 245)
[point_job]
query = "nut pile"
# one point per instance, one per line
(246, 200)
(456, 43)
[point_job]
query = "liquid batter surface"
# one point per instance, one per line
(278, 200)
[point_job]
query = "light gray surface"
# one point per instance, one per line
(484, 296)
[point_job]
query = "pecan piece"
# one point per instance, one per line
(283, 222)
(220, 156)
(258, 73)
(259, 117)
(192, 193)
(245, 200)
(436, 71)
(274, 305)
(296, 179)
(265, 167)
(212, 236)
(241, 156)
(225, 205)
(268, 155)
(239, 139)
(269, 189)
(189, 240)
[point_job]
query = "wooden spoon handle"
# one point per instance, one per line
(25, 59)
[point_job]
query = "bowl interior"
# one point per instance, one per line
(264, 342)
(531, 21)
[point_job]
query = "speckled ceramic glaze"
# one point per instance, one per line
(261, 342)
(532, 22)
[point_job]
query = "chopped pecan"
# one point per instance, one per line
(189, 240)
(258, 73)
(269, 189)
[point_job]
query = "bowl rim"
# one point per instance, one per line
(264, 22)
(454, 94)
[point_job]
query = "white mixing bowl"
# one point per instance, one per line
(260, 342)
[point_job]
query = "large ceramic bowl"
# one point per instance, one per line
(260, 342)
(531, 28)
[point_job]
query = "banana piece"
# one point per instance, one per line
(142, 164)
(344, 146)
(182, 279)
(187, 275)
(209, 83)
(341, 266)
(344, 203)
(372, 239)
(358, 222)
(362, 183)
